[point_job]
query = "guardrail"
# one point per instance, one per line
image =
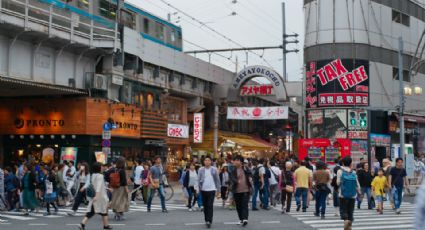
(59, 19)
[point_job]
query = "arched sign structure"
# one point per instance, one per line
(259, 71)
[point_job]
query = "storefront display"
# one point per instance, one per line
(69, 154)
(358, 150)
(380, 146)
(323, 149)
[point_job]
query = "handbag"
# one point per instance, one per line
(288, 188)
(90, 191)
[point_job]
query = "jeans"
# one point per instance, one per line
(301, 193)
(192, 196)
(208, 200)
(12, 199)
(134, 193)
(286, 197)
(161, 196)
(366, 191)
(273, 192)
(321, 197)
(346, 208)
(254, 195)
(224, 193)
(266, 195)
(78, 199)
(200, 202)
(335, 196)
(241, 201)
(398, 196)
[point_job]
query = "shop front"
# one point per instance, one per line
(380, 145)
(36, 127)
(322, 149)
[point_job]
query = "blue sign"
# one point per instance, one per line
(106, 143)
(107, 126)
(114, 126)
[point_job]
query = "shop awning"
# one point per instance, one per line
(246, 142)
(12, 87)
(411, 118)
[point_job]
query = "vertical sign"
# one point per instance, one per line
(198, 129)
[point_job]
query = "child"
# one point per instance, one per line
(378, 185)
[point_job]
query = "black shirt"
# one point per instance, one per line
(365, 178)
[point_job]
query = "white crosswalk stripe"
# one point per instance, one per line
(364, 219)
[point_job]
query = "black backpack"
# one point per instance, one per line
(256, 175)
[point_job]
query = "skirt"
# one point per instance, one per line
(120, 200)
(29, 200)
(51, 197)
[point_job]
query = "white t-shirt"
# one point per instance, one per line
(274, 171)
(209, 184)
(137, 173)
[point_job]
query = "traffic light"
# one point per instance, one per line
(353, 119)
(363, 119)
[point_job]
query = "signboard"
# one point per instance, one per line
(106, 143)
(340, 82)
(314, 153)
(155, 142)
(69, 154)
(101, 157)
(315, 123)
(48, 155)
(117, 80)
(107, 126)
(358, 150)
(107, 151)
(335, 123)
(257, 90)
(257, 113)
(179, 131)
(380, 140)
(198, 129)
(106, 135)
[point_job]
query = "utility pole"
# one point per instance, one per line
(402, 99)
(285, 42)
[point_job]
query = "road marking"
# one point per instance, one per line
(270, 222)
(37, 224)
(231, 223)
(117, 224)
(193, 224)
(72, 224)
(368, 219)
(400, 226)
(357, 217)
(159, 224)
(17, 217)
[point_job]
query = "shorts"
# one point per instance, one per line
(379, 198)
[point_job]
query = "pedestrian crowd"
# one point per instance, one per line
(241, 184)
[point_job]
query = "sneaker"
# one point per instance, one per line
(283, 212)
(298, 208)
(109, 227)
(71, 213)
(316, 214)
(304, 210)
(164, 210)
(133, 202)
(397, 211)
(322, 217)
(81, 227)
(208, 224)
(190, 210)
(255, 209)
(244, 223)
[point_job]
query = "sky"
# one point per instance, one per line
(248, 23)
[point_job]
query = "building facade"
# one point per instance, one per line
(352, 86)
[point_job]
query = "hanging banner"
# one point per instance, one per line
(48, 155)
(69, 154)
(179, 131)
(340, 82)
(257, 113)
(101, 157)
(198, 129)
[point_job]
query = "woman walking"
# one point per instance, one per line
(365, 178)
(29, 182)
(120, 201)
(99, 203)
(50, 188)
(287, 184)
(224, 180)
(145, 183)
(83, 180)
(190, 182)
(321, 179)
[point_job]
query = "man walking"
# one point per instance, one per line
(397, 181)
(138, 170)
(349, 188)
(157, 183)
(274, 179)
(258, 179)
(240, 179)
(209, 185)
(303, 183)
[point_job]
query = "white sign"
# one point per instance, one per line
(257, 113)
(117, 80)
(198, 129)
(106, 135)
(179, 131)
(106, 151)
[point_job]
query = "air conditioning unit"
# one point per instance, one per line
(100, 82)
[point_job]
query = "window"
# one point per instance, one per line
(405, 74)
(173, 36)
(159, 31)
(127, 19)
(107, 9)
(149, 101)
(146, 25)
(401, 18)
(83, 4)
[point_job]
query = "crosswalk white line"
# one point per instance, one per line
(366, 219)
(17, 217)
(341, 224)
(398, 226)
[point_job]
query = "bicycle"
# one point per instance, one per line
(168, 191)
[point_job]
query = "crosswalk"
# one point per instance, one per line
(364, 219)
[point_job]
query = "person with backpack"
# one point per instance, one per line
(137, 183)
(335, 190)
(303, 184)
(100, 201)
(258, 181)
(50, 188)
(349, 188)
(12, 186)
(397, 181)
(156, 174)
(118, 181)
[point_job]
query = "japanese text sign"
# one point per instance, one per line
(198, 120)
(257, 90)
(179, 131)
(257, 113)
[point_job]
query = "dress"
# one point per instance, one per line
(101, 204)
(28, 195)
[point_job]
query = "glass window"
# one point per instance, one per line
(173, 36)
(401, 18)
(149, 101)
(107, 9)
(83, 4)
(146, 25)
(127, 19)
(405, 74)
(159, 31)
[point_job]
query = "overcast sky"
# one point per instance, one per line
(247, 22)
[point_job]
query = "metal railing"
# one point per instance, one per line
(60, 19)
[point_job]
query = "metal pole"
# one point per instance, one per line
(215, 126)
(402, 99)
(284, 42)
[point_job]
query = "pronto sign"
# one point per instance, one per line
(261, 71)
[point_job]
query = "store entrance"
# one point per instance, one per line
(380, 154)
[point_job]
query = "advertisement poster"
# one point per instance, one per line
(331, 153)
(178, 131)
(101, 157)
(48, 155)
(69, 154)
(257, 113)
(315, 122)
(339, 82)
(335, 123)
(358, 150)
(314, 153)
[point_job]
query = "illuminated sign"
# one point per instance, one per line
(257, 90)
(257, 113)
(198, 120)
(179, 131)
